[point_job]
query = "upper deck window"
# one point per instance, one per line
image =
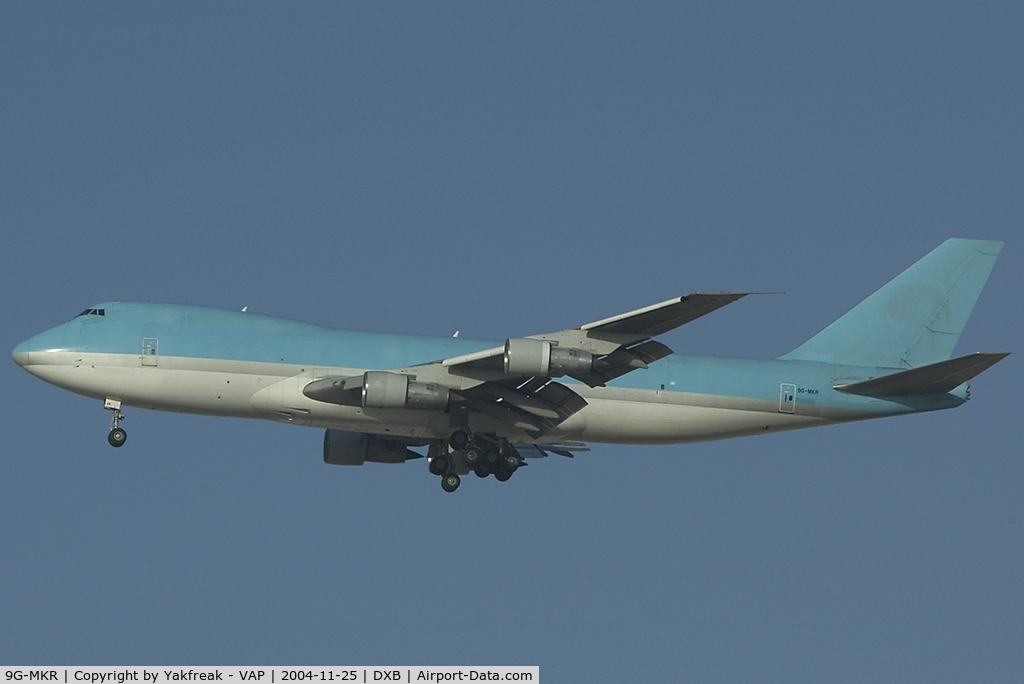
(93, 312)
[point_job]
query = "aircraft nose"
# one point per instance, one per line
(21, 353)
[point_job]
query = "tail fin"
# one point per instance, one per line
(914, 320)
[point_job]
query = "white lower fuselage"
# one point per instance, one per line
(245, 389)
(221, 363)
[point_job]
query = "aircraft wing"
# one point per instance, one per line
(660, 318)
(514, 384)
(619, 344)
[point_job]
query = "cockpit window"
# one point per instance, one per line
(93, 312)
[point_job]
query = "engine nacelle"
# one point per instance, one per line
(524, 356)
(342, 447)
(565, 360)
(382, 389)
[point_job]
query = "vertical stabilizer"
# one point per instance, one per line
(914, 320)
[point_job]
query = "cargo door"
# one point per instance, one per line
(787, 398)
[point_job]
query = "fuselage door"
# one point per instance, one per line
(150, 347)
(787, 398)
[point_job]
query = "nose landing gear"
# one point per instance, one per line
(117, 435)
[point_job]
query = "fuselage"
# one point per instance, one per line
(201, 360)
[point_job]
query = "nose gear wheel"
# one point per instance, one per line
(117, 435)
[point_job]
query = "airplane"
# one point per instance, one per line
(485, 406)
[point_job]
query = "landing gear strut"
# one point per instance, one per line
(463, 453)
(117, 435)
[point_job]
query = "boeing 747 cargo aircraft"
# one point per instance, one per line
(484, 406)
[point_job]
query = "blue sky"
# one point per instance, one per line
(508, 169)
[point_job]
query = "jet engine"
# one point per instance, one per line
(382, 389)
(524, 356)
(342, 447)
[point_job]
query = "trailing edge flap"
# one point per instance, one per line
(541, 450)
(537, 405)
(935, 378)
(622, 361)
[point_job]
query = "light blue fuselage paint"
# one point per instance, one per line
(200, 360)
(195, 351)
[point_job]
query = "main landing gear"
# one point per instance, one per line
(117, 435)
(483, 455)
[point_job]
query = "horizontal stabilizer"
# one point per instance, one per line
(935, 378)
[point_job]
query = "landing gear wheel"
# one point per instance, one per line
(117, 437)
(512, 461)
(458, 440)
(440, 465)
(471, 456)
(502, 475)
(481, 471)
(450, 482)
